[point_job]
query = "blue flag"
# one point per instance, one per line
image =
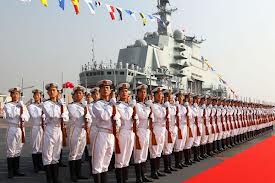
(62, 4)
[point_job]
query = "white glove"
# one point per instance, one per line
(85, 103)
(43, 117)
(166, 104)
(21, 103)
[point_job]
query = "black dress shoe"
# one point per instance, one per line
(160, 174)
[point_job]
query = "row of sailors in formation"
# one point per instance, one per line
(163, 124)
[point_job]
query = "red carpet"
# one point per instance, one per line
(254, 165)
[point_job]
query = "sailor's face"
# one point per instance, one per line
(180, 99)
(95, 95)
(123, 94)
(37, 97)
(142, 94)
(170, 98)
(15, 96)
(158, 96)
(190, 100)
(78, 96)
(105, 91)
(53, 92)
(88, 98)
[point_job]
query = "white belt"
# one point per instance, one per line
(105, 130)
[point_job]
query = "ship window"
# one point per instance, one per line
(129, 73)
(121, 73)
(87, 74)
(132, 74)
(116, 72)
(98, 73)
(101, 73)
(93, 73)
(109, 73)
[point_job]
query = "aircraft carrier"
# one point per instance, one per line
(162, 58)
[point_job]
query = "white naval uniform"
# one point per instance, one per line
(77, 140)
(52, 139)
(219, 115)
(191, 114)
(168, 147)
(204, 136)
(210, 112)
(159, 113)
(93, 129)
(14, 133)
(198, 114)
(126, 135)
(35, 111)
(223, 116)
(180, 143)
(143, 132)
(104, 142)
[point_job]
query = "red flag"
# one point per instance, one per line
(76, 6)
(112, 11)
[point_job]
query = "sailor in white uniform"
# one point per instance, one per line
(159, 113)
(55, 114)
(107, 123)
(126, 135)
(143, 133)
(80, 120)
(38, 119)
(16, 114)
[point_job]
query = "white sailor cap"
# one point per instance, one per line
(104, 83)
(179, 92)
(52, 85)
(16, 89)
(78, 88)
(157, 89)
(95, 89)
(123, 85)
(142, 86)
(37, 91)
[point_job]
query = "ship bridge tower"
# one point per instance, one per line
(165, 27)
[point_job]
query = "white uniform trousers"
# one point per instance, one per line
(14, 142)
(93, 132)
(77, 143)
(102, 151)
(52, 144)
(126, 143)
(156, 150)
(168, 147)
(140, 155)
(197, 140)
(37, 136)
(180, 143)
(204, 137)
(190, 140)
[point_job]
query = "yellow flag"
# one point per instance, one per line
(76, 6)
(45, 3)
(143, 18)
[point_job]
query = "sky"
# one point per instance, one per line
(39, 44)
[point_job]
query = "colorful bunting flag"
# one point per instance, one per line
(143, 18)
(91, 6)
(76, 6)
(112, 11)
(131, 13)
(151, 18)
(97, 3)
(44, 3)
(62, 4)
(119, 10)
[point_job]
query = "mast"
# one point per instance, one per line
(165, 27)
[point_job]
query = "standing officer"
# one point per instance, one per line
(38, 119)
(107, 123)
(171, 130)
(16, 114)
(182, 130)
(126, 135)
(205, 126)
(79, 134)
(143, 133)
(56, 114)
(156, 149)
